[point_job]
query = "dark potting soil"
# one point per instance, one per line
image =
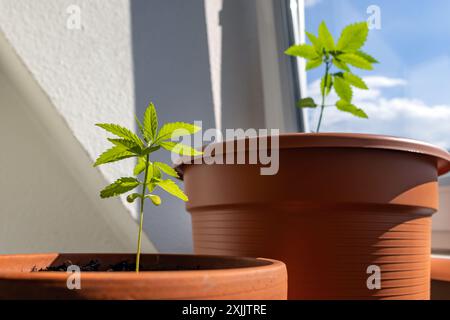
(95, 265)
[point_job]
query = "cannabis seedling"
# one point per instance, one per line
(129, 145)
(347, 51)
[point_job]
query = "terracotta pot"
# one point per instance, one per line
(440, 277)
(203, 277)
(338, 204)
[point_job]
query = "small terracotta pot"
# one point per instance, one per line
(201, 277)
(440, 277)
(338, 204)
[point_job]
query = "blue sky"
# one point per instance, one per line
(410, 88)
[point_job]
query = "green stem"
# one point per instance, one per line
(325, 84)
(141, 222)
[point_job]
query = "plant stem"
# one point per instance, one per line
(325, 84)
(141, 222)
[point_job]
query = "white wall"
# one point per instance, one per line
(55, 84)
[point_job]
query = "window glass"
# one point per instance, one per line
(409, 92)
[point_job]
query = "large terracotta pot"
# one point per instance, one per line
(180, 277)
(338, 204)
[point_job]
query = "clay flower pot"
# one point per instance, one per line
(440, 277)
(172, 277)
(339, 204)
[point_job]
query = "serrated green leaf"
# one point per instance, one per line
(303, 50)
(366, 56)
(354, 80)
(356, 61)
(350, 108)
(180, 148)
(329, 84)
(353, 37)
(127, 144)
(341, 65)
(141, 128)
(114, 154)
(151, 186)
(140, 166)
(343, 89)
(156, 172)
(166, 169)
(306, 103)
(118, 187)
(172, 188)
(154, 198)
(132, 197)
(316, 43)
(121, 132)
(174, 130)
(311, 64)
(150, 122)
(325, 37)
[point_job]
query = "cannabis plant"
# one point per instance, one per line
(341, 55)
(130, 145)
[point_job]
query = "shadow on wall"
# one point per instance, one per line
(171, 68)
(241, 79)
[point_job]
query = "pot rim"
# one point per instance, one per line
(342, 140)
(260, 264)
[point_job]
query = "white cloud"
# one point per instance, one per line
(399, 116)
(311, 3)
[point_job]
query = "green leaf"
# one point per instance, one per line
(315, 42)
(366, 56)
(328, 85)
(172, 188)
(180, 148)
(311, 64)
(342, 88)
(353, 37)
(303, 50)
(354, 80)
(120, 186)
(132, 197)
(325, 37)
(151, 186)
(341, 65)
(176, 129)
(126, 144)
(149, 150)
(156, 172)
(166, 169)
(114, 154)
(356, 61)
(121, 132)
(306, 103)
(154, 198)
(141, 128)
(350, 108)
(150, 122)
(140, 166)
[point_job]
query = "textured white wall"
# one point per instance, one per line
(86, 73)
(56, 83)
